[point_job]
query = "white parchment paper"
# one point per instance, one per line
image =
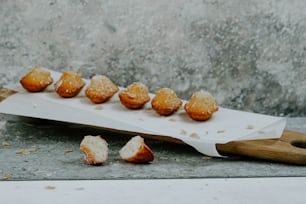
(226, 125)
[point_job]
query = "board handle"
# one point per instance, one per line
(290, 148)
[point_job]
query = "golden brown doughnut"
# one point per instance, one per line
(201, 106)
(166, 102)
(101, 89)
(36, 80)
(135, 96)
(69, 84)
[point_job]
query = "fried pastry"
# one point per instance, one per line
(36, 80)
(136, 151)
(166, 102)
(201, 106)
(69, 84)
(101, 89)
(135, 96)
(95, 150)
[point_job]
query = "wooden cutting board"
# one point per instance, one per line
(289, 148)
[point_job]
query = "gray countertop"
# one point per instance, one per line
(32, 149)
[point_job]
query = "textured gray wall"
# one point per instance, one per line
(249, 54)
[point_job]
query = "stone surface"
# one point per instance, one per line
(38, 149)
(249, 54)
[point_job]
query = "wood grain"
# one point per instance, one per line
(290, 148)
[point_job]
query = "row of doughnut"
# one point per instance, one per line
(200, 106)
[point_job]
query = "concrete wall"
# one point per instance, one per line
(249, 54)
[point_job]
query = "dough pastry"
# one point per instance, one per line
(69, 84)
(136, 151)
(201, 106)
(101, 89)
(166, 102)
(135, 96)
(36, 80)
(95, 150)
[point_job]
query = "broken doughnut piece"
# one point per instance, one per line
(201, 106)
(166, 102)
(101, 89)
(69, 84)
(95, 150)
(36, 80)
(135, 96)
(136, 151)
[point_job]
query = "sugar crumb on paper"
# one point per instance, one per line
(172, 119)
(112, 101)
(34, 105)
(50, 187)
(99, 107)
(194, 135)
(183, 132)
(250, 127)
(79, 189)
